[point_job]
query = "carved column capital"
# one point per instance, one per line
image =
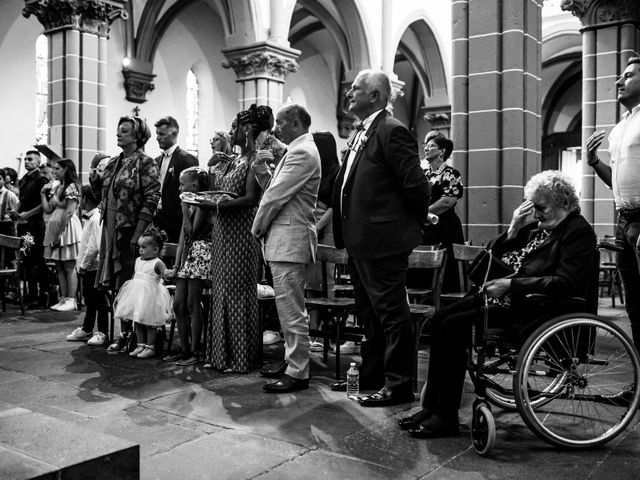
(137, 84)
(262, 60)
(595, 13)
(88, 16)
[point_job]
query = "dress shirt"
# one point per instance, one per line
(166, 160)
(90, 243)
(357, 144)
(624, 148)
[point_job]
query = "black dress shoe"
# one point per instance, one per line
(414, 420)
(286, 384)
(274, 370)
(386, 397)
(435, 427)
(339, 387)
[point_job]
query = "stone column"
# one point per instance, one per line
(610, 36)
(77, 32)
(261, 70)
(496, 122)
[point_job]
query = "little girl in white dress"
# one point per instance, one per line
(144, 299)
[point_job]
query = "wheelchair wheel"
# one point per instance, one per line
(500, 373)
(596, 371)
(483, 429)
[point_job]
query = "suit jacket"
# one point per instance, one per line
(563, 264)
(180, 160)
(385, 200)
(285, 215)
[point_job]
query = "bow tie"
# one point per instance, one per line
(359, 126)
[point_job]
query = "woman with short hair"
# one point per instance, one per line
(130, 189)
(552, 249)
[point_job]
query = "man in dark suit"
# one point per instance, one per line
(381, 200)
(170, 164)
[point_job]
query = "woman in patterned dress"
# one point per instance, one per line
(63, 230)
(446, 189)
(233, 337)
(129, 190)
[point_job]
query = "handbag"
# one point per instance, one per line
(486, 266)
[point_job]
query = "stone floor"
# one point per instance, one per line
(195, 423)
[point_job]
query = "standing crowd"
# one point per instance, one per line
(270, 190)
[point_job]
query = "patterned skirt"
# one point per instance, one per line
(197, 265)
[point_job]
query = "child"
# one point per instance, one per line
(87, 267)
(63, 230)
(195, 242)
(144, 299)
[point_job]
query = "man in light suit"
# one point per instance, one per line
(170, 165)
(381, 200)
(286, 226)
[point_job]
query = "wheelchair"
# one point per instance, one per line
(574, 380)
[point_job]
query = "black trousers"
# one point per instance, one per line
(628, 263)
(33, 262)
(381, 301)
(171, 224)
(96, 304)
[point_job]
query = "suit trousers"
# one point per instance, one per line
(382, 305)
(288, 285)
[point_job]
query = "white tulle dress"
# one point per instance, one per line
(144, 298)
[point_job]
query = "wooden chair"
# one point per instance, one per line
(168, 256)
(422, 294)
(609, 275)
(10, 268)
(432, 264)
(333, 311)
(464, 254)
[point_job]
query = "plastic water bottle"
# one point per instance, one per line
(353, 381)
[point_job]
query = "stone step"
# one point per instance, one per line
(37, 446)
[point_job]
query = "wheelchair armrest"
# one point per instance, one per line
(609, 246)
(540, 299)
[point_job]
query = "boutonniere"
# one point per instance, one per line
(171, 171)
(356, 146)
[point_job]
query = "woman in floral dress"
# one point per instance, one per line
(446, 189)
(233, 337)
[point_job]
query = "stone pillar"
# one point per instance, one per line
(610, 36)
(77, 32)
(496, 122)
(261, 70)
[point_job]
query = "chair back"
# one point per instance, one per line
(9, 250)
(328, 254)
(433, 261)
(465, 254)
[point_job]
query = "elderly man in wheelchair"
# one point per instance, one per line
(573, 377)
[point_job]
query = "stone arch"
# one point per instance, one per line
(428, 59)
(155, 20)
(345, 22)
(561, 94)
(418, 64)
